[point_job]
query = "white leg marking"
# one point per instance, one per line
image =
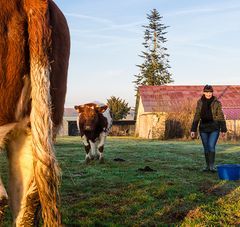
(88, 157)
(84, 139)
(102, 139)
(20, 172)
(93, 149)
(3, 200)
(3, 193)
(86, 143)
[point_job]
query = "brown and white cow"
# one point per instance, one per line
(94, 123)
(34, 54)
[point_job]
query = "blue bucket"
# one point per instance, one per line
(229, 171)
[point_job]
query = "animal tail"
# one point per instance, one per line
(46, 169)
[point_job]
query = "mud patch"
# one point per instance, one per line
(209, 188)
(146, 169)
(175, 215)
(119, 160)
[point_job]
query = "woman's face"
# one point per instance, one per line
(208, 94)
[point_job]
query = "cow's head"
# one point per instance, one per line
(89, 115)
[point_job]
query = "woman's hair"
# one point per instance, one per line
(208, 88)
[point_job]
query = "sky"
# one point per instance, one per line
(107, 35)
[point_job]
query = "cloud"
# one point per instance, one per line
(109, 25)
(207, 10)
(95, 19)
(104, 31)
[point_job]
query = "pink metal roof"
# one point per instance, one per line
(169, 98)
(70, 112)
(232, 113)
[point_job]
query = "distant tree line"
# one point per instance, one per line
(118, 107)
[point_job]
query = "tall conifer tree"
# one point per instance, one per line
(155, 68)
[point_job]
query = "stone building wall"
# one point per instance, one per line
(151, 125)
(233, 127)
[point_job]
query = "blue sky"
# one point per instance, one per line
(107, 35)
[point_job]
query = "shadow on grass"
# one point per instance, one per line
(176, 214)
(211, 189)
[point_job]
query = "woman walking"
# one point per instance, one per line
(212, 122)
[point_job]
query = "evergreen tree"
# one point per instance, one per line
(155, 68)
(118, 107)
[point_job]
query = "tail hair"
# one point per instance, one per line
(46, 169)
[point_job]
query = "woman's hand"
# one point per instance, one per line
(193, 135)
(223, 134)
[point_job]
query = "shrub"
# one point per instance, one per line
(178, 123)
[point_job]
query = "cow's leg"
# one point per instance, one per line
(102, 138)
(93, 149)
(87, 149)
(3, 200)
(4, 130)
(23, 194)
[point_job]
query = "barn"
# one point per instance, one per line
(157, 102)
(69, 124)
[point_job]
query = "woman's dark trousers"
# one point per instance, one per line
(209, 141)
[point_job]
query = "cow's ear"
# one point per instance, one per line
(79, 109)
(101, 109)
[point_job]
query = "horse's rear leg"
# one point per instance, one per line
(23, 194)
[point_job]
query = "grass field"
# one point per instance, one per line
(119, 194)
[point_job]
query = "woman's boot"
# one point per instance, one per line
(207, 168)
(211, 161)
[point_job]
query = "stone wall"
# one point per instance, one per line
(233, 127)
(123, 128)
(151, 125)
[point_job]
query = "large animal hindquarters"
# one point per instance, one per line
(46, 171)
(34, 55)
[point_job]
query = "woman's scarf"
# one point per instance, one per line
(206, 111)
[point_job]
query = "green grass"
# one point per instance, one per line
(117, 194)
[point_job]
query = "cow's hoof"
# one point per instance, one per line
(87, 160)
(101, 160)
(3, 205)
(97, 157)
